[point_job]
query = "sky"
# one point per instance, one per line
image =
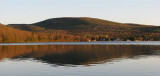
(124, 11)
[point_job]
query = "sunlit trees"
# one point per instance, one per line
(77, 29)
(8, 34)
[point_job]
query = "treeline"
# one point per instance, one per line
(123, 36)
(10, 35)
(77, 29)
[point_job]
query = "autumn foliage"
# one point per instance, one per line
(10, 35)
(77, 29)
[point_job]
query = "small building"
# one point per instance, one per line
(89, 39)
(128, 40)
(103, 39)
(93, 39)
(117, 39)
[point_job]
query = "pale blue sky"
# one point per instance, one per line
(125, 11)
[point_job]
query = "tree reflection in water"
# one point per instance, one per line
(77, 54)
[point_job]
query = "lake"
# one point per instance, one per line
(80, 59)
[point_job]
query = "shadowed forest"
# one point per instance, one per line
(77, 29)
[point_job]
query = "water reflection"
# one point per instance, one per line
(77, 54)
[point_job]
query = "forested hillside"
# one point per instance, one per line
(10, 35)
(93, 28)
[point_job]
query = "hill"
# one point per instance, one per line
(82, 23)
(93, 27)
(27, 27)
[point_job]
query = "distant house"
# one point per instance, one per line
(103, 39)
(93, 39)
(89, 39)
(117, 39)
(128, 40)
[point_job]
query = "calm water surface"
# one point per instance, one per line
(142, 59)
